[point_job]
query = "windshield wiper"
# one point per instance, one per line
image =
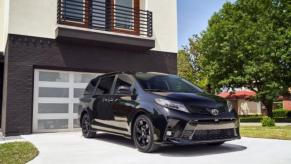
(155, 90)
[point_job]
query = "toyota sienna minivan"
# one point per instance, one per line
(155, 109)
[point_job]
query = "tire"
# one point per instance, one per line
(215, 143)
(143, 134)
(86, 126)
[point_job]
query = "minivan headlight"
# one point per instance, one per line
(171, 105)
(229, 106)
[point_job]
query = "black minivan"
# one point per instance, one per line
(155, 109)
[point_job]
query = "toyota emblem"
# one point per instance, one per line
(214, 112)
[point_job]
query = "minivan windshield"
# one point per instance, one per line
(165, 83)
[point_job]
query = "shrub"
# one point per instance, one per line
(289, 113)
(253, 118)
(280, 113)
(268, 121)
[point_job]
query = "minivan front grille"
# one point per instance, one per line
(202, 110)
(214, 134)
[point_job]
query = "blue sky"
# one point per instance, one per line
(193, 17)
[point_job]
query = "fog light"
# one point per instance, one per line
(169, 133)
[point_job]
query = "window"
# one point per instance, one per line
(105, 85)
(165, 83)
(99, 14)
(75, 12)
(91, 86)
(113, 15)
(123, 80)
(126, 16)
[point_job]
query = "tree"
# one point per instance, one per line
(189, 66)
(248, 44)
(185, 69)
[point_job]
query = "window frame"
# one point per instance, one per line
(131, 87)
(99, 81)
(136, 19)
(84, 23)
(108, 20)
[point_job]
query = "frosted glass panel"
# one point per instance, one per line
(83, 78)
(76, 123)
(53, 124)
(78, 92)
(53, 108)
(53, 92)
(53, 76)
(76, 108)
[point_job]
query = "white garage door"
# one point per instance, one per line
(56, 98)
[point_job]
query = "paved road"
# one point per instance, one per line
(72, 148)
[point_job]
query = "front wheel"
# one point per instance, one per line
(86, 126)
(143, 134)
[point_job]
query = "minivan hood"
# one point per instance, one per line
(199, 99)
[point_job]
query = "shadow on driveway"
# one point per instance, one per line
(175, 151)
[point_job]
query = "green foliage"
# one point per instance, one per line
(250, 118)
(267, 121)
(280, 113)
(190, 66)
(278, 105)
(259, 118)
(185, 69)
(247, 44)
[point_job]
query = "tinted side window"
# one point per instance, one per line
(91, 86)
(105, 85)
(123, 80)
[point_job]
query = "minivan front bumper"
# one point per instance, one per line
(179, 132)
(184, 129)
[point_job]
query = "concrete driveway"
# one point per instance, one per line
(106, 149)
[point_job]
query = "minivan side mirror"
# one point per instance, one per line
(123, 90)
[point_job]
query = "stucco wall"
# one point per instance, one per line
(39, 17)
(4, 15)
(248, 107)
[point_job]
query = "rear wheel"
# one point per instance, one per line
(86, 126)
(143, 134)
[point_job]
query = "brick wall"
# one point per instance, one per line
(287, 104)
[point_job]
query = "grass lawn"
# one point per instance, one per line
(278, 132)
(17, 152)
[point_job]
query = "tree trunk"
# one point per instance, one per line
(268, 107)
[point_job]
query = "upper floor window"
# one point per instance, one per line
(122, 16)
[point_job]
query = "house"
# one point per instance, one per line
(50, 49)
(242, 103)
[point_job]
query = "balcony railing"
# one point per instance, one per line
(94, 14)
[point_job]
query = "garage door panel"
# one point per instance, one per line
(53, 76)
(53, 108)
(56, 99)
(78, 92)
(83, 77)
(53, 92)
(53, 124)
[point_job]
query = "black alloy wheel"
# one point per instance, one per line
(86, 126)
(143, 134)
